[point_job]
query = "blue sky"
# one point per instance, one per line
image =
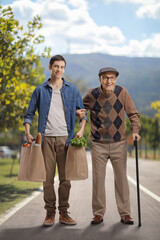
(116, 27)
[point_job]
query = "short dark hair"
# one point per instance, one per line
(56, 58)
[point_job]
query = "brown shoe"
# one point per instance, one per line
(65, 219)
(127, 220)
(50, 217)
(97, 219)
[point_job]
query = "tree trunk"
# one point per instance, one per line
(13, 162)
(154, 154)
(146, 149)
(140, 150)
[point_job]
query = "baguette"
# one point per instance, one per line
(38, 138)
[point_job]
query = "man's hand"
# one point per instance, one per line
(81, 131)
(134, 135)
(79, 134)
(29, 138)
(80, 113)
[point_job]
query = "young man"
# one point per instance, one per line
(108, 104)
(57, 101)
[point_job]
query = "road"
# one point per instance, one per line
(26, 223)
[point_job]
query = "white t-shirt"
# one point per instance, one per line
(56, 124)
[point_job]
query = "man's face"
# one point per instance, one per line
(108, 81)
(57, 69)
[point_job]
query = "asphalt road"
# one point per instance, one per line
(26, 223)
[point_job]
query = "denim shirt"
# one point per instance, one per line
(41, 100)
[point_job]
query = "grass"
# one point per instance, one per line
(11, 190)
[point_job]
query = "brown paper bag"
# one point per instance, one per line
(32, 167)
(76, 167)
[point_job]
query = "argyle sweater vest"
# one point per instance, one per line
(107, 114)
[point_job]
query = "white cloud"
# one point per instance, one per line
(149, 10)
(79, 4)
(67, 22)
(68, 27)
(146, 48)
(146, 8)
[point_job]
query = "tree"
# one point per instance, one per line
(156, 105)
(154, 135)
(20, 67)
(144, 132)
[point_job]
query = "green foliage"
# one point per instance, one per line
(156, 105)
(154, 134)
(20, 67)
(150, 133)
(128, 127)
(78, 142)
(87, 131)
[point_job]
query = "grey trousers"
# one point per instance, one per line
(118, 155)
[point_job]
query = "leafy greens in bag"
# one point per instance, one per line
(78, 142)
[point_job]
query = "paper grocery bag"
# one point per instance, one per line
(24, 163)
(32, 167)
(76, 167)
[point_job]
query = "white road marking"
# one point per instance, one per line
(142, 188)
(18, 206)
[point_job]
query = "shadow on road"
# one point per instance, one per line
(61, 232)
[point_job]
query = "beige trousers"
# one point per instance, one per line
(118, 155)
(54, 151)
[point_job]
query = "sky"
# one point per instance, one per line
(116, 27)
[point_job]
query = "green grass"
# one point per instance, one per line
(11, 190)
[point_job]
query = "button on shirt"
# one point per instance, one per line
(41, 100)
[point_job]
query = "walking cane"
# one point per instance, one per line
(137, 175)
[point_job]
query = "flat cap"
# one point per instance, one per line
(108, 69)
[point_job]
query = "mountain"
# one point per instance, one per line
(140, 76)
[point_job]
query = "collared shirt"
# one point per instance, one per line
(107, 96)
(41, 100)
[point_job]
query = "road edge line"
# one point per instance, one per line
(142, 188)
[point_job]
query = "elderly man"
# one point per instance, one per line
(107, 105)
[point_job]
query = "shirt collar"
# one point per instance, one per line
(101, 90)
(46, 83)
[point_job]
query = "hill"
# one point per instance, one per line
(140, 76)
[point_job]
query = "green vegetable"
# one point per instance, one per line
(78, 142)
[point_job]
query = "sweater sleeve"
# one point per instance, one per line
(86, 101)
(132, 113)
(79, 103)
